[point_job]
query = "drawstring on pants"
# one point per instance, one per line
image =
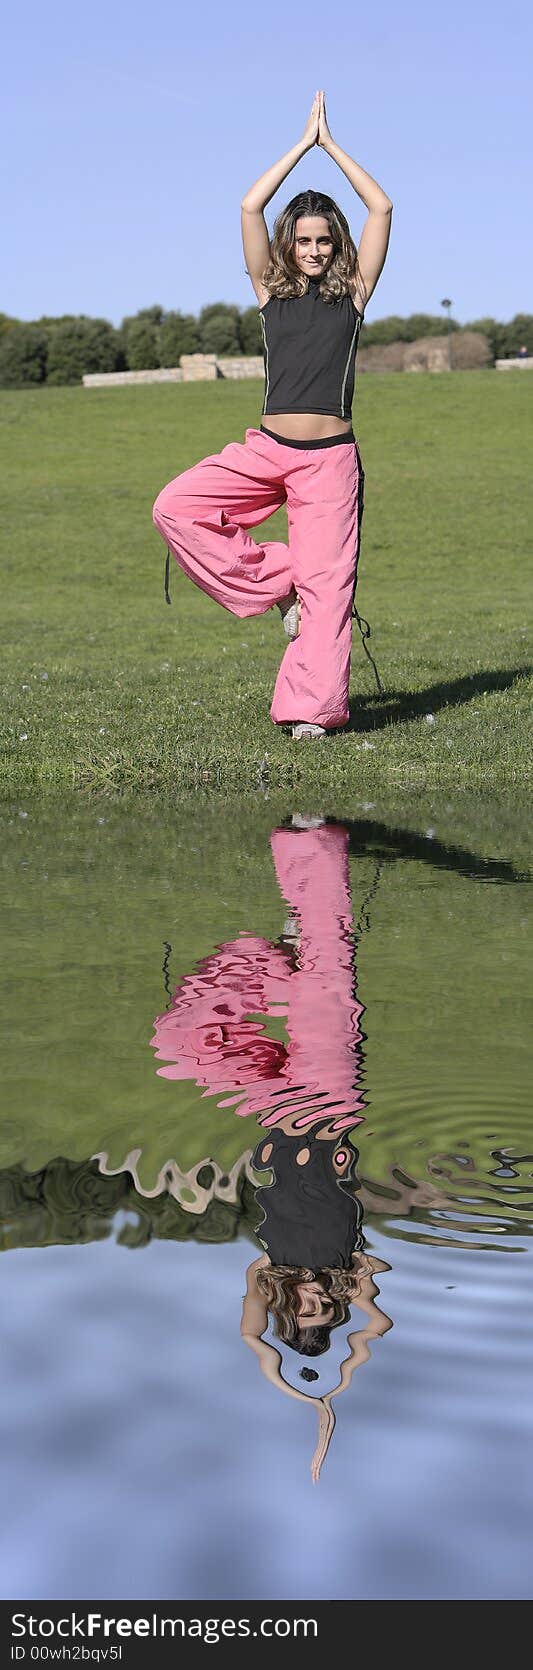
(167, 576)
(361, 622)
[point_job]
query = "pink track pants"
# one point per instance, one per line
(203, 516)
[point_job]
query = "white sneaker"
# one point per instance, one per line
(289, 610)
(291, 928)
(299, 822)
(303, 730)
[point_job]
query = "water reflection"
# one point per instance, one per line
(306, 1091)
(313, 1270)
(308, 979)
(314, 1267)
(376, 999)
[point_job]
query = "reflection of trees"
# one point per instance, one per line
(67, 1203)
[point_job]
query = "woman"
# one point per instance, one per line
(312, 286)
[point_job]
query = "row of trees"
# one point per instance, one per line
(58, 351)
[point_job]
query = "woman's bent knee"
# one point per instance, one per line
(161, 509)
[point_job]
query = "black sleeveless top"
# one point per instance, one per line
(309, 352)
(310, 1218)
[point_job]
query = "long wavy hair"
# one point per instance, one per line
(281, 276)
(278, 1283)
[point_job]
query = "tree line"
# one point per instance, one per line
(59, 351)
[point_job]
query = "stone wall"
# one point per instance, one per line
(428, 353)
(193, 368)
(380, 357)
(251, 366)
(469, 351)
(518, 364)
(198, 368)
(116, 379)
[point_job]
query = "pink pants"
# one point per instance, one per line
(203, 516)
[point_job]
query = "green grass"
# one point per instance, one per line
(105, 685)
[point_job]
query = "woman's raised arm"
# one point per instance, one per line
(366, 187)
(374, 241)
(260, 194)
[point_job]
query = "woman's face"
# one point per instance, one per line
(314, 1306)
(313, 245)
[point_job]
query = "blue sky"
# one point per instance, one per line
(131, 134)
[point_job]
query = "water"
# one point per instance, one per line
(178, 980)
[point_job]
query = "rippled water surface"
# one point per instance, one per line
(203, 1001)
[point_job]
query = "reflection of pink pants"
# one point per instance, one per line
(209, 1033)
(203, 516)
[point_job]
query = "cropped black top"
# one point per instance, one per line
(309, 352)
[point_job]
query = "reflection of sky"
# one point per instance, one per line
(143, 1452)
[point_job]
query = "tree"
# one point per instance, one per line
(153, 315)
(6, 323)
(491, 330)
(80, 345)
(427, 324)
(384, 331)
(218, 326)
(519, 331)
(142, 346)
(250, 331)
(219, 334)
(178, 334)
(47, 320)
(218, 307)
(148, 343)
(23, 355)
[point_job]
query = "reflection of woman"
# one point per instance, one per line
(307, 1095)
(208, 1033)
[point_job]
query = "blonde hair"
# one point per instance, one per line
(281, 276)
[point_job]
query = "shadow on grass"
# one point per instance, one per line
(368, 713)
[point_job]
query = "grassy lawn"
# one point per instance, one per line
(103, 684)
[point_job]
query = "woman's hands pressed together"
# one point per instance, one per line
(310, 133)
(316, 131)
(323, 130)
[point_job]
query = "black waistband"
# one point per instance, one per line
(325, 440)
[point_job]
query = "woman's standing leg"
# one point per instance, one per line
(203, 516)
(324, 503)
